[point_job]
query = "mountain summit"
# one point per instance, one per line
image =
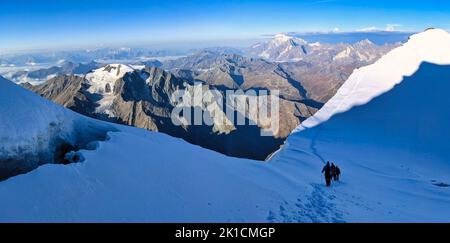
(280, 47)
(283, 39)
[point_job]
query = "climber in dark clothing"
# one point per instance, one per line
(338, 173)
(333, 171)
(327, 171)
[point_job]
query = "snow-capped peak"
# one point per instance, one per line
(281, 47)
(365, 42)
(432, 45)
(102, 82)
(109, 73)
(344, 54)
(280, 39)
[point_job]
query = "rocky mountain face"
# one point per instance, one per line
(324, 71)
(69, 91)
(232, 71)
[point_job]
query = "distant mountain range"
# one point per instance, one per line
(132, 54)
(125, 54)
(285, 48)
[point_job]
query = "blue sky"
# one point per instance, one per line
(63, 23)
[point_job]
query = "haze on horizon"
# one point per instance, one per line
(170, 24)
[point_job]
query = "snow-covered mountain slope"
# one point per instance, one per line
(139, 176)
(34, 131)
(370, 81)
(387, 128)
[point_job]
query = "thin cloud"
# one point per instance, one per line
(388, 28)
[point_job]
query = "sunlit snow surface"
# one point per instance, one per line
(393, 152)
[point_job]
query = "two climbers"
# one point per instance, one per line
(331, 171)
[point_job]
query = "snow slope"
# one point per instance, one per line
(388, 133)
(20, 122)
(26, 118)
(32, 129)
(138, 176)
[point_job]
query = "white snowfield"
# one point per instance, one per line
(27, 120)
(393, 151)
